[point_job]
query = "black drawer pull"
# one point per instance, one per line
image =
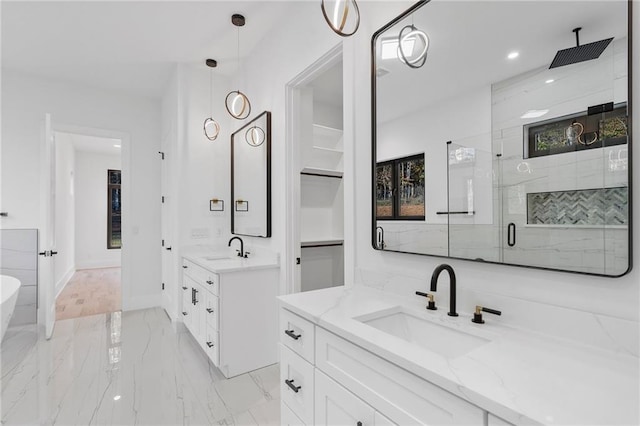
(293, 387)
(210, 310)
(184, 313)
(185, 266)
(184, 288)
(210, 282)
(210, 344)
(291, 334)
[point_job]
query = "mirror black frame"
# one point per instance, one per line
(374, 242)
(267, 143)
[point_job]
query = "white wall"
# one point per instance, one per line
(287, 56)
(91, 210)
(25, 100)
(65, 211)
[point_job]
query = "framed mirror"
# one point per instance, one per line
(503, 142)
(251, 178)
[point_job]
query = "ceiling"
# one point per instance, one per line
(473, 53)
(93, 144)
(128, 46)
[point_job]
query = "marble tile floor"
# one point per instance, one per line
(90, 292)
(126, 368)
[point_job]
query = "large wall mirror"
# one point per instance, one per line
(501, 133)
(251, 178)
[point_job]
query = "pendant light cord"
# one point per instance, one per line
(238, 53)
(211, 92)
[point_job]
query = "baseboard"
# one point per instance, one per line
(98, 264)
(62, 283)
(141, 302)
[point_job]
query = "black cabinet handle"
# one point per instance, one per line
(359, 424)
(291, 334)
(511, 234)
(195, 296)
(210, 310)
(184, 313)
(293, 387)
(168, 248)
(210, 344)
(184, 288)
(210, 282)
(185, 266)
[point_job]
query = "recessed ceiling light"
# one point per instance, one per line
(534, 113)
(116, 146)
(550, 81)
(513, 55)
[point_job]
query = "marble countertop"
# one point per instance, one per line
(520, 376)
(223, 262)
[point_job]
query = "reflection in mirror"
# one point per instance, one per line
(522, 131)
(251, 178)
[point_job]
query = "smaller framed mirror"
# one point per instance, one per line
(251, 178)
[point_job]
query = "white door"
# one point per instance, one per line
(47, 250)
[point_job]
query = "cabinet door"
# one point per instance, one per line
(334, 405)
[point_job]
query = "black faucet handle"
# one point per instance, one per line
(477, 315)
(431, 305)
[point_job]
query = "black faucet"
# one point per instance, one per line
(452, 286)
(241, 252)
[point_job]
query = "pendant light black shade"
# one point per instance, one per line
(343, 16)
(236, 102)
(211, 127)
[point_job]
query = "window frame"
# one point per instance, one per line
(110, 187)
(395, 203)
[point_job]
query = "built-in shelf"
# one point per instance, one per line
(329, 150)
(320, 130)
(321, 243)
(314, 171)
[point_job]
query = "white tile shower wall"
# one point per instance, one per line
(19, 259)
(563, 248)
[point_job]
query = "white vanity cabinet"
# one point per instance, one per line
(232, 313)
(326, 380)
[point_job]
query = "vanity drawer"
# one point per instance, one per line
(403, 397)
(296, 384)
(210, 281)
(211, 311)
(211, 346)
(297, 334)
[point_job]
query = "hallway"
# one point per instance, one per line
(126, 368)
(90, 292)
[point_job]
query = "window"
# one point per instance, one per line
(114, 205)
(400, 189)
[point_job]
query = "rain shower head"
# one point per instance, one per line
(580, 53)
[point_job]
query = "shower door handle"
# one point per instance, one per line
(511, 234)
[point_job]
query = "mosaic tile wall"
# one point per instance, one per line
(604, 206)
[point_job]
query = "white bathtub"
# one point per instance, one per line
(9, 288)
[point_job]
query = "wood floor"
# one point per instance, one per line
(90, 292)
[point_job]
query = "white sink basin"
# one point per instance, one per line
(430, 335)
(220, 256)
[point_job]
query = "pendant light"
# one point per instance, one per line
(413, 45)
(236, 102)
(255, 136)
(211, 127)
(343, 16)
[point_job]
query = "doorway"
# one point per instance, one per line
(315, 147)
(88, 222)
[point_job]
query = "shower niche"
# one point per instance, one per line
(524, 129)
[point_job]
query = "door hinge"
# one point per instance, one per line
(163, 286)
(163, 199)
(162, 243)
(162, 154)
(297, 260)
